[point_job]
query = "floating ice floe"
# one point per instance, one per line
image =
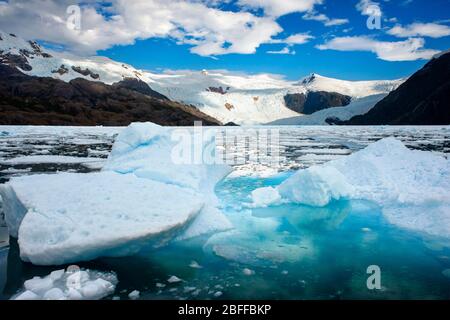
(71, 284)
(69, 217)
(103, 214)
(411, 186)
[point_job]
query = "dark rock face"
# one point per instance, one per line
(86, 72)
(231, 124)
(61, 70)
(315, 101)
(333, 121)
(15, 60)
(27, 100)
(295, 102)
(220, 90)
(139, 86)
(424, 99)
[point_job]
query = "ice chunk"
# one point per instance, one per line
(316, 186)
(174, 279)
(96, 289)
(39, 285)
(412, 187)
(104, 214)
(27, 295)
(54, 294)
(263, 197)
(150, 151)
(153, 152)
(134, 295)
(248, 272)
(90, 285)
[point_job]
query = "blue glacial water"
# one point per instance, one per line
(285, 252)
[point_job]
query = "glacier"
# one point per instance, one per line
(411, 186)
(69, 217)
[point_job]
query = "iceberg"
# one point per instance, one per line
(71, 284)
(150, 151)
(411, 186)
(104, 214)
(68, 217)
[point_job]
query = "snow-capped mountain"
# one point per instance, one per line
(241, 99)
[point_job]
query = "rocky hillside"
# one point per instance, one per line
(424, 99)
(315, 101)
(34, 100)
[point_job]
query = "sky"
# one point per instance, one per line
(346, 39)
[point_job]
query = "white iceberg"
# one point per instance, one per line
(142, 197)
(149, 151)
(411, 186)
(71, 284)
(72, 217)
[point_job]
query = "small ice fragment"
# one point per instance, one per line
(218, 294)
(77, 279)
(195, 265)
(264, 197)
(39, 285)
(54, 294)
(73, 294)
(27, 295)
(189, 289)
(56, 275)
(134, 295)
(116, 298)
(97, 289)
(284, 272)
(160, 285)
(366, 229)
(174, 279)
(248, 272)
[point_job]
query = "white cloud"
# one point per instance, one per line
(285, 50)
(210, 30)
(432, 30)
(299, 38)
(408, 50)
(277, 8)
(369, 8)
(312, 15)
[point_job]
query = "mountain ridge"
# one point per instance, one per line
(229, 98)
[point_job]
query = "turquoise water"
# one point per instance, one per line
(285, 252)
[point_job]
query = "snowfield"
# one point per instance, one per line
(412, 187)
(238, 98)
